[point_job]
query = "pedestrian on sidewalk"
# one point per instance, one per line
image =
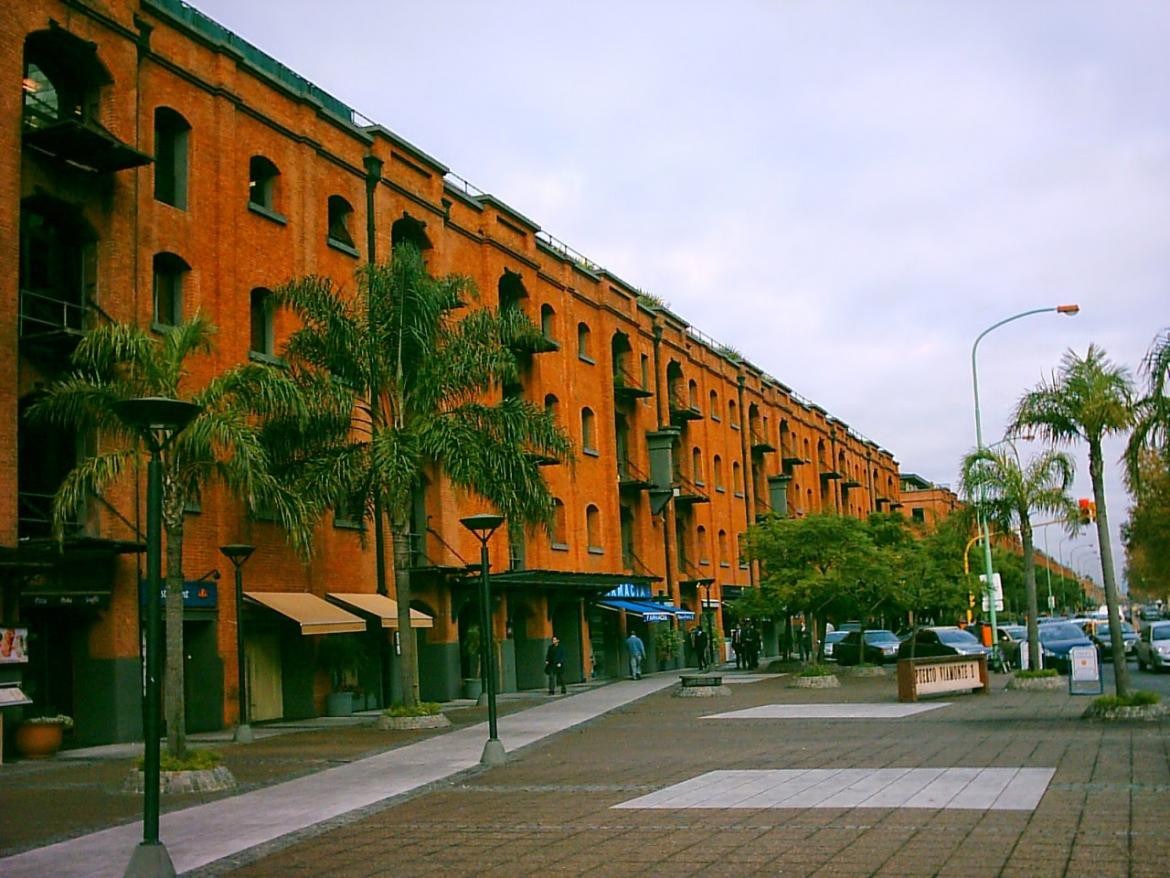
(554, 666)
(637, 650)
(699, 642)
(737, 646)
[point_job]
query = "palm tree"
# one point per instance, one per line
(120, 361)
(1086, 400)
(1151, 429)
(1008, 492)
(417, 379)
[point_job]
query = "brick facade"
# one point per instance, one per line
(746, 444)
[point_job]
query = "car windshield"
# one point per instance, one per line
(1056, 631)
(880, 636)
(834, 636)
(1160, 632)
(956, 637)
(1015, 632)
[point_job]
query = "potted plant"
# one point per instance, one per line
(667, 644)
(40, 737)
(470, 644)
(340, 655)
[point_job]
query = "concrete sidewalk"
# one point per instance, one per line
(205, 833)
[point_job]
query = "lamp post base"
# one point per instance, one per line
(243, 734)
(493, 753)
(150, 860)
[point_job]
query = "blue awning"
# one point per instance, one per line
(647, 611)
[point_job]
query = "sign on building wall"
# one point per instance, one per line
(13, 646)
(630, 591)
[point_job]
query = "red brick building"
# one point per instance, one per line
(154, 164)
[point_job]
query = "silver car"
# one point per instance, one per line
(1153, 649)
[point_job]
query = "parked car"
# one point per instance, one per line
(1011, 636)
(1056, 639)
(1098, 632)
(831, 641)
(1153, 650)
(946, 640)
(881, 646)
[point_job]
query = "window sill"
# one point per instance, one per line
(343, 247)
(155, 326)
(699, 483)
(703, 562)
(592, 452)
(585, 358)
(268, 213)
(348, 525)
(719, 489)
(596, 550)
(725, 565)
(739, 494)
(716, 419)
(270, 359)
(560, 547)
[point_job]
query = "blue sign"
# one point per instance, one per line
(199, 595)
(630, 590)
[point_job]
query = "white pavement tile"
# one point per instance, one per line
(935, 788)
(830, 711)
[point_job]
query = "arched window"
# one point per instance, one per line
(547, 318)
(704, 548)
(723, 559)
(560, 529)
(645, 373)
(408, 230)
(583, 342)
(593, 529)
(732, 414)
(340, 218)
(693, 394)
(588, 440)
(261, 322)
(170, 272)
(263, 177)
(717, 473)
(170, 157)
(741, 550)
(736, 479)
(714, 406)
(697, 465)
(510, 289)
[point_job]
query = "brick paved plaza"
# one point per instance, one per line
(551, 810)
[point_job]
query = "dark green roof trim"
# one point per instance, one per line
(453, 190)
(408, 147)
(511, 212)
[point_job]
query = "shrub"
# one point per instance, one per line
(423, 708)
(192, 760)
(1140, 698)
(1035, 675)
(667, 643)
(815, 670)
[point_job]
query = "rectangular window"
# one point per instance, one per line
(168, 295)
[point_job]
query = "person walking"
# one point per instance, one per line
(737, 646)
(554, 666)
(699, 642)
(802, 641)
(637, 651)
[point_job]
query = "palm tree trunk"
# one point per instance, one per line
(174, 711)
(1030, 589)
(408, 661)
(1096, 473)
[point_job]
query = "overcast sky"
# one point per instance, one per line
(846, 192)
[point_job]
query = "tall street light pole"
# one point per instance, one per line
(238, 553)
(1059, 309)
(483, 526)
(158, 421)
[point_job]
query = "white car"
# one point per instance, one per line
(1153, 649)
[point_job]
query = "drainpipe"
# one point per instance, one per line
(668, 510)
(749, 487)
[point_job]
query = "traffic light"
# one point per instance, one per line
(1086, 511)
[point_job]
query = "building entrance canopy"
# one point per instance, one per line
(647, 610)
(384, 608)
(315, 616)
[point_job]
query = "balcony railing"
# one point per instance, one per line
(631, 477)
(35, 516)
(626, 388)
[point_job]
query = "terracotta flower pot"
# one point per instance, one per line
(38, 740)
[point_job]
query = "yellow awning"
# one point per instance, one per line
(381, 606)
(314, 615)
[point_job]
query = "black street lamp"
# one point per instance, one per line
(158, 420)
(483, 526)
(707, 620)
(238, 553)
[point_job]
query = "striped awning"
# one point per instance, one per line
(314, 615)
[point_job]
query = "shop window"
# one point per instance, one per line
(340, 220)
(262, 322)
(171, 132)
(170, 274)
(593, 530)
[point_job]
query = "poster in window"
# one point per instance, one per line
(13, 646)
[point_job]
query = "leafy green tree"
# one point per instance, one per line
(1088, 399)
(1146, 533)
(418, 379)
(1008, 492)
(1151, 429)
(119, 361)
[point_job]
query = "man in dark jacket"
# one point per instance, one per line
(699, 642)
(554, 666)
